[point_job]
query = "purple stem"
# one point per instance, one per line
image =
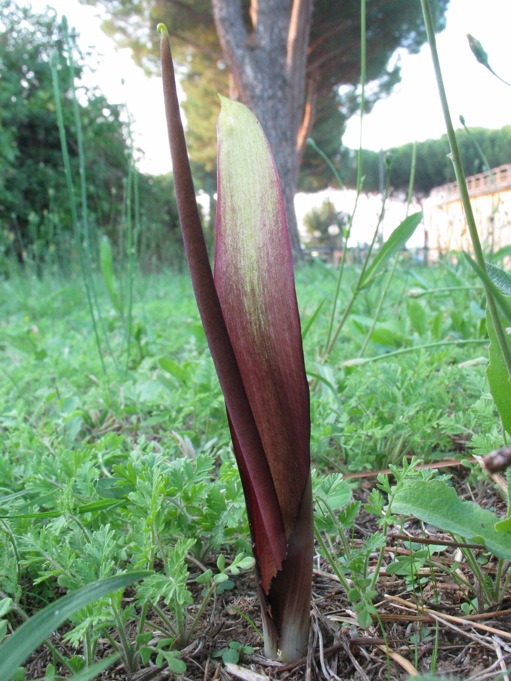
(240, 413)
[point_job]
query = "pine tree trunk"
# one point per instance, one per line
(268, 67)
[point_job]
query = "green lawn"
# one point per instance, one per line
(126, 465)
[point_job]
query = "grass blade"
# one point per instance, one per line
(498, 378)
(34, 631)
(394, 243)
(312, 318)
(92, 672)
(107, 268)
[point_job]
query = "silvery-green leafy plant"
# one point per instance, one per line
(250, 316)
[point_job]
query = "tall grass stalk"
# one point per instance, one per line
(136, 234)
(333, 335)
(73, 205)
(447, 290)
(358, 286)
(465, 198)
(390, 277)
(479, 150)
(487, 168)
(330, 341)
(88, 259)
(132, 227)
(81, 227)
(81, 163)
(415, 348)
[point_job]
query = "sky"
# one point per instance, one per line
(412, 112)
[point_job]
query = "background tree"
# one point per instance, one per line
(325, 226)
(34, 203)
(433, 165)
(160, 243)
(35, 217)
(294, 62)
(434, 168)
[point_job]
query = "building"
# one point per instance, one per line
(444, 219)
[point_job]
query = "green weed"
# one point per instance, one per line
(135, 472)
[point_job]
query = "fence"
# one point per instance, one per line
(488, 182)
(332, 255)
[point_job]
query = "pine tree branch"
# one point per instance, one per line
(309, 116)
(233, 38)
(191, 10)
(296, 61)
(197, 46)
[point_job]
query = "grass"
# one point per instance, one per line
(129, 469)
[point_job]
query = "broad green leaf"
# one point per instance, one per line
(313, 318)
(385, 333)
(394, 243)
(500, 278)
(502, 253)
(502, 300)
(498, 377)
(436, 503)
(34, 631)
(26, 343)
(5, 606)
(175, 664)
(230, 655)
(107, 268)
(418, 317)
(388, 334)
(504, 526)
(437, 325)
(174, 369)
(92, 672)
(246, 563)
